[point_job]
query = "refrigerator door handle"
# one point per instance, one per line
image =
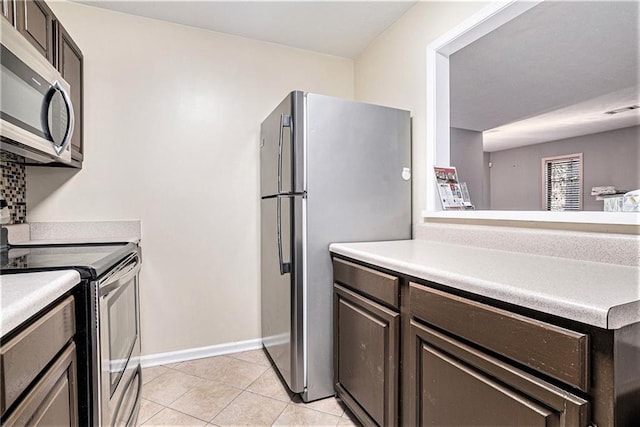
(285, 267)
(285, 121)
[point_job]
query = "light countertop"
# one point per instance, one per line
(25, 294)
(594, 293)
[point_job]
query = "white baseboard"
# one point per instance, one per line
(199, 353)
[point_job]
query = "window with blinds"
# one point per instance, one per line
(562, 182)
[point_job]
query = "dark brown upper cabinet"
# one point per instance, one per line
(6, 7)
(70, 64)
(35, 21)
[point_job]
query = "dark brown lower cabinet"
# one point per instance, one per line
(53, 400)
(458, 385)
(366, 357)
(38, 370)
(466, 360)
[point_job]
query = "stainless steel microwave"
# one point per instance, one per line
(36, 113)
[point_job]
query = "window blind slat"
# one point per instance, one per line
(563, 187)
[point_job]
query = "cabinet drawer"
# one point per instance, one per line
(560, 353)
(26, 355)
(379, 286)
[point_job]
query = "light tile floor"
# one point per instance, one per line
(235, 389)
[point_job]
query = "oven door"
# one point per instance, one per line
(36, 114)
(119, 329)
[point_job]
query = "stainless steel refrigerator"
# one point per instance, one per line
(331, 170)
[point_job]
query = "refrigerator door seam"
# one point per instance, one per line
(305, 370)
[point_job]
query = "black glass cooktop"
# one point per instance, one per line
(91, 260)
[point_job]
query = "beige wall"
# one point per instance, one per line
(172, 120)
(392, 71)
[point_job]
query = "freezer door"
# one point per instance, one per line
(281, 165)
(281, 287)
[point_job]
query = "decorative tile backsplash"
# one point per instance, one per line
(13, 185)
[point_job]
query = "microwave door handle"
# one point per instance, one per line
(70, 123)
(284, 267)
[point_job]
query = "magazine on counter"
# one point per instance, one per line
(449, 188)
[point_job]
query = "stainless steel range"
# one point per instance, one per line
(110, 378)
(118, 328)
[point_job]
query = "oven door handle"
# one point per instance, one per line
(129, 269)
(136, 406)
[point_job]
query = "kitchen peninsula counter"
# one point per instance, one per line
(23, 295)
(598, 294)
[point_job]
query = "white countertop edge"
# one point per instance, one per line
(594, 316)
(623, 315)
(583, 217)
(80, 241)
(17, 232)
(25, 294)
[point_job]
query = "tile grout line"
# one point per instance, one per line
(287, 404)
(189, 415)
(244, 389)
(153, 415)
(280, 414)
(267, 366)
(174, 400)
(226, 406)
(206, 379)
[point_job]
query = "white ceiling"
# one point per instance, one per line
(340, 28)
(550, 74)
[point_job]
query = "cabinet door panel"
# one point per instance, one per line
(53, 401)
(7, 10)
(455, 384)
(35, 22)
(366, 351)
(362, 337)
(452, 394)
(55, 410)
(23, 357)
(70, 65)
